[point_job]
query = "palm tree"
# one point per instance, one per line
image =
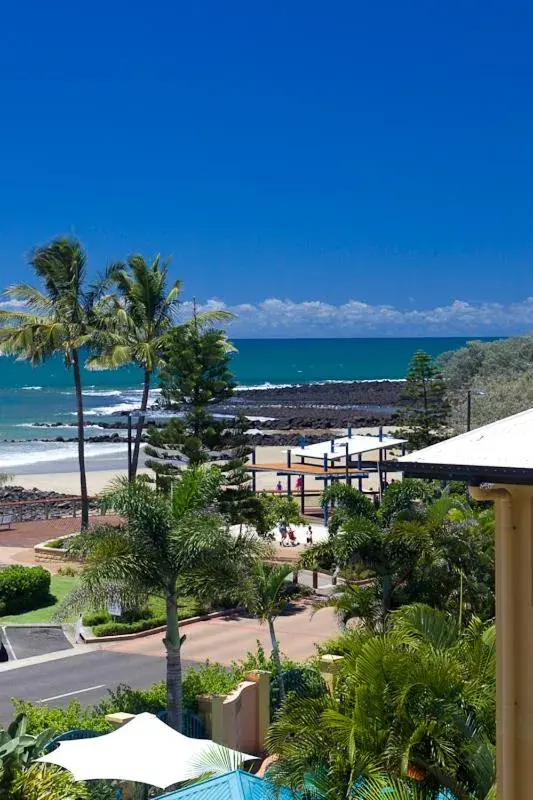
(413, 704)
(265, 597)
(134, 320)
(168, 545)
(55, 319)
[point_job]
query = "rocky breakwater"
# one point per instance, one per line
(320, 406)
(27, 505)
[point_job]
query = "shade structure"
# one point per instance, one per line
(336, 449)
(144, 750)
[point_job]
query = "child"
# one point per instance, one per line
(309, 539)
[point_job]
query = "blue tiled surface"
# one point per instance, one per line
(235, 785)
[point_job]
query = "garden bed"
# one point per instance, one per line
(54, 549)
(103, 626)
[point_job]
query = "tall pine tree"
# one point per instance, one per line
(195, 379)
(424, 409)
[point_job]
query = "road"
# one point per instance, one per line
(87, 677)
(84, 677)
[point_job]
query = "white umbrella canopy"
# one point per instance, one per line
(144, 750)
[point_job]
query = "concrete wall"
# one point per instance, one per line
(240, 719)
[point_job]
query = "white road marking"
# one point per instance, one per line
(69, 694)
(7, 644)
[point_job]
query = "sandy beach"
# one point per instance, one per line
(62, 476)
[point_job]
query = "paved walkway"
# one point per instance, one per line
(229, 638)
(16, 545)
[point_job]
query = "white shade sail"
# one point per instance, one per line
(144, 750)
(335, 449)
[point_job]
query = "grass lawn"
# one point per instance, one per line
(60, 586)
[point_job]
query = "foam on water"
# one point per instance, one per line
(37, 452)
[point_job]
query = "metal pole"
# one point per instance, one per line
(254, 461)
(468, 409)
(347, 463)
(302, 495)
(129, 448)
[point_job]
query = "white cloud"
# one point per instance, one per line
(282, 317)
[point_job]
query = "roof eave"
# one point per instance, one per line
(470, 473)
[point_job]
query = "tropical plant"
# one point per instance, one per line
(345, 502)
(164, 539)
(423, 407)
(47, 782)
(265, 597)
(134, 322)
(419, 548)
(17, 750)
(416, 702)
(57, 319)
(21, 778)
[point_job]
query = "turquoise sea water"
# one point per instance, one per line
(45, 394)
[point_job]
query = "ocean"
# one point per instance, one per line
(44, 394)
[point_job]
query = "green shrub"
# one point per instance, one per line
(41, 718)
(133, 701)
(119, 628)
(209, 679)
(67, 572)
(96, 618)
(23, 589)
(56, 544)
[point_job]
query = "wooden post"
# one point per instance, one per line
(289, 486)
(302, 495)
(315, 579)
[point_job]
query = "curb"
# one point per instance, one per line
(126, 637)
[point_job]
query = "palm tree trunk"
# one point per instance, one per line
(140, 423)
(276, 656)
(81, 440)
(173, 645)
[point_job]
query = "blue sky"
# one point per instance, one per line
(372, 159)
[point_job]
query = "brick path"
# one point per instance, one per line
(28, 534)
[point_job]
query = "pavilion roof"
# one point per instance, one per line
(501, 452)
(336, 448)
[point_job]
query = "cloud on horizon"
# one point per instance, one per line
(284, 318)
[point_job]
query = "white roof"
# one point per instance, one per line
(356, 445)
(144, 750)
(505, 444)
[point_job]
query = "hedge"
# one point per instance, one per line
(23, 589)
(118, 628)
